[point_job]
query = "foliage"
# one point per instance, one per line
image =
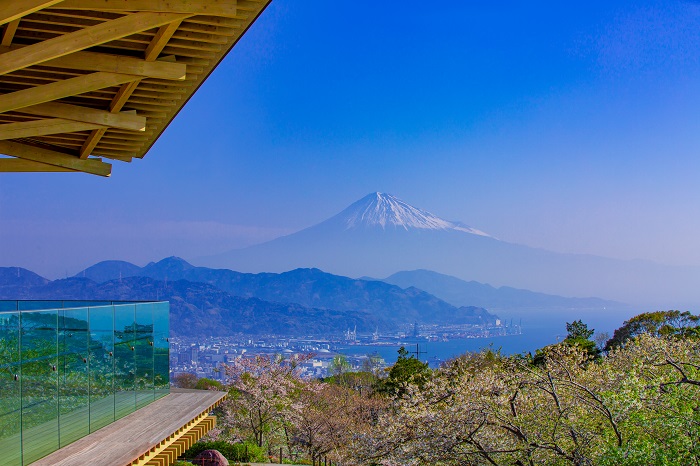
(331, 419)
(638, 405)
(363, 382)
(577, 335)
(231, 451)
(208, 384)
(406, 370)
(185, 380)
(683, 324)
(262, 397)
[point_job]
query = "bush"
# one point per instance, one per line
(207, 384)
(232, 451)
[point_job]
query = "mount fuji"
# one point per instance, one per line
(380, 235)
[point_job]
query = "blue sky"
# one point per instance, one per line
(569, 127)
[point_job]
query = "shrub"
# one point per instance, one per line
(232, 451)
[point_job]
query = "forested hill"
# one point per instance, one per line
(204, 309)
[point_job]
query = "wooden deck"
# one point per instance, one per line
(148, 430)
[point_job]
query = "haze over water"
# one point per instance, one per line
(539, 329)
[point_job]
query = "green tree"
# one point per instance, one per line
(208, 384)
(657, 323)
(579, 335)
(339, 365)
(407, 370)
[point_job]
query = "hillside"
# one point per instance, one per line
(459, 292)
(315, 288)
(204, 309)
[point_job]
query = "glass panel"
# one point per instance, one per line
(39, 376)
(10, 403)
(144, 354)
(66, 372)
(74, 411)
(161, 348)
(38, 305)
(6, 306)
(101, 366)
(124, 360)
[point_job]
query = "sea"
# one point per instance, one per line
(539, 329)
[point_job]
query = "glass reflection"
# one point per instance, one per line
(69, 371)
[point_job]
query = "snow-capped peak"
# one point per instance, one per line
(387, 211)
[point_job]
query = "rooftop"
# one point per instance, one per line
(82, 81)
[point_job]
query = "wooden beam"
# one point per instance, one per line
(122, 96)
(91, 142)
(83, 38)
(225, 8)
(91, 61)
(61, 89)
(28, 129)
(154, 49)
(121, 120)
(24, 166)
(160, 40)
(15, 9)
(59, 159)
(9, 33)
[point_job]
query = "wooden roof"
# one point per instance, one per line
(84, 82)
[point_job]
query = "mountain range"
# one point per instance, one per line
(457, 292)
(221, 302)
(380, 235)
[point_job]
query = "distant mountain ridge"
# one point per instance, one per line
(217, 302)
(380, 235)
(311, 288)
(457, 292)
(201, 310)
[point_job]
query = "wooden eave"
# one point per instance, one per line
(84, 82)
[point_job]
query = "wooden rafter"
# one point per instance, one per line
(103, 78)
(225, 8)
(9, 33)
(28, 129)
(59, 159)
(154, 49)
(61, 89)
(13, 10)
(22, 165)
(79, 40)
(122, 120)
(93, 61)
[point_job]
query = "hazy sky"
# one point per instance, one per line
(574, 128)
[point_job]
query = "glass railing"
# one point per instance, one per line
(68, 368)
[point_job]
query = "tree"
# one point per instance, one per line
(263, 395)
(185, 380)
(406, 370)
(640, 404)
(579, 335)
(332, 419)
(577, 329)
(339, 365)
(208, 384)
(657, 323)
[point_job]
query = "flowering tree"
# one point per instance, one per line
(639, 405)
(264, 395)
(333, 417)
